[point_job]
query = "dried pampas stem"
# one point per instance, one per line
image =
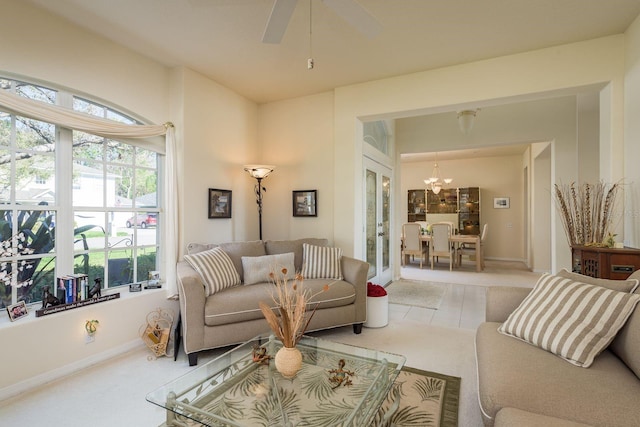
(586, 211)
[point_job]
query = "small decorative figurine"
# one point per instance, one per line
(48, 300)
(95, 291)
(341, 376)
(260, 355)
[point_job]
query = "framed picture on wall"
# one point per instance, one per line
(219, 203)
(501, 203)
(305, 203)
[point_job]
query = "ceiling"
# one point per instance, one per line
(221, 39)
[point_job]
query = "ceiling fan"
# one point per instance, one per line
(349, 10)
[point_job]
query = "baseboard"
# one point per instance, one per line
(55, 374)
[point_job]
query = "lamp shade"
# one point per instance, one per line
(259, 171)
(466, 119)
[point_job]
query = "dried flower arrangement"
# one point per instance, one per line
(291, 301)
(587, 212)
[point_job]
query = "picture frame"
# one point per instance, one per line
(305, 203)
(501, 203)
(219, 203)
(17, 311)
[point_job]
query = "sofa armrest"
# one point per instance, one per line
(192, 301)
(355, 272)
(502, 301)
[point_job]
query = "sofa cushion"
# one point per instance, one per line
(512, 373)
(240, 303)
(236, 250)
(509, 417)
(573, 320)
(257, 269)
(628, 285)
(321, 262)
(626, 345)
(215, 268)
(295, 246)
(194, 248)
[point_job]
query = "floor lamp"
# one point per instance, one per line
(259, 172)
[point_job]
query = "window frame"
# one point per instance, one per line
(64, 207)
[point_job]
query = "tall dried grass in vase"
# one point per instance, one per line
(291, 300)
(587, 211)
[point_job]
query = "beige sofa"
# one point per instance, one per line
(232, 316)
(522, 385)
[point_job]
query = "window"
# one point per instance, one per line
(98, 214)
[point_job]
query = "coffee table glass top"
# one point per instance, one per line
(235, 390)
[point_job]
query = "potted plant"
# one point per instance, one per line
(377, 306)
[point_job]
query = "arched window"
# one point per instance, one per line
(73, 202)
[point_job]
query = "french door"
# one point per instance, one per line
(377, 220)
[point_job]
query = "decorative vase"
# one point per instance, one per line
(288, 361)
(377, 312)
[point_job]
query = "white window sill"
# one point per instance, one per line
(5, 322)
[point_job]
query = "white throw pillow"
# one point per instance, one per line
(321, 262)
(215, 268)
(570, 319)
(258, 268)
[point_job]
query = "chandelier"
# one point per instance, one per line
(436, 182)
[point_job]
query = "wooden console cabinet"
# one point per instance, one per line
(605, 263)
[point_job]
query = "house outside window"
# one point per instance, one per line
(71, 202)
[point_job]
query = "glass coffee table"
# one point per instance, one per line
(338, 385)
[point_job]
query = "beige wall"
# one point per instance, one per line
(537, 74)
(632, 136)
(42, 46)
(218, 137)
(219, 131)
(496, 177)
(216, 134)
(549, 119)
(296, 135)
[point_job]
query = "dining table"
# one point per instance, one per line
(458, 239)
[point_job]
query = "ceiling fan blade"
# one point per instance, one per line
(278, 21)
(356, 15)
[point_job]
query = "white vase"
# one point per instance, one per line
(377, 312)
(288, 361)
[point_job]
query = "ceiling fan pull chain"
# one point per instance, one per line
(310, 59)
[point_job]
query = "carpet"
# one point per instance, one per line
(416, 293)
(426, 399)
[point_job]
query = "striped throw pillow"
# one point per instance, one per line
(321, 262)
(216, 269)
(573, 320)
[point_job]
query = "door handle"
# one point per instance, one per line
(382, 233)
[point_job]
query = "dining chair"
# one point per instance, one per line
(411, 242)
(470, 248)
(440, 244)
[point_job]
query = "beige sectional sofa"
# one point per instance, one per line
(231, 315)
(523, 385)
